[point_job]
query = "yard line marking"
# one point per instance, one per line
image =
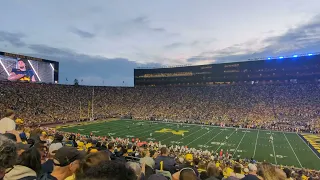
(255, 147)
(239, 144)
(199, 137)
(213, 137)
(274, 152)
(292, 149)
(308, 146)
(224, 141)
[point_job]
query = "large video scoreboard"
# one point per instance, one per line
(16, 67)
(306, 68)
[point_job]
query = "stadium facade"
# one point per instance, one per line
(282, 69)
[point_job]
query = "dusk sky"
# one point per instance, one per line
(104, 40)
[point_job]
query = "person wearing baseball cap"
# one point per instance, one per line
(66, 161)
(47, 167)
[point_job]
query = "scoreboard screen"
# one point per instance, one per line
(20, 68)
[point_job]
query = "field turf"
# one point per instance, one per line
(287, 148)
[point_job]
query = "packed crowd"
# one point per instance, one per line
(46, 154)
(287, 107)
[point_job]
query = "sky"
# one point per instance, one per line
(102, 41)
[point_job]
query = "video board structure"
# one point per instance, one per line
(289, 69)
(16, 67)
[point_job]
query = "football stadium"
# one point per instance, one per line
(252, 118)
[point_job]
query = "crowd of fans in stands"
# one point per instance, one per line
(47, 154)
(286, 107)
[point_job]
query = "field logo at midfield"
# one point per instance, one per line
(314, 140)
(165, 130)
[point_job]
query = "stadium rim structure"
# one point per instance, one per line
(283, 68)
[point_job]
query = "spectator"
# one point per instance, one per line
(269, 172)
(8, 154)
(47, 167)
(185, 174)
(91, 160)
(138, 170)
(213, 172)
(66, 163)
(288, 173)
(252, 175)
(114, 170)
(164, 162)
(188, 163)
(7, 123)
(145, 158)
(237, 171)
(28, 166)
(111, 151)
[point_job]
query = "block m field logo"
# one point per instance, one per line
(165, 130)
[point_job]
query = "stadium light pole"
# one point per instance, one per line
(80, 111)
(92, 103)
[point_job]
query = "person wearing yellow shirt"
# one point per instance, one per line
(72, 177)
(227, 170)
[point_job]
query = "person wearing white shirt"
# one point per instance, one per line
(7, 123)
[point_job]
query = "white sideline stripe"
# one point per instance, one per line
(199, 137)
(224, 141)
(213, 137)
(292, 149)
(308, 146)
(274, 152)
(235, 152)
(255, 147)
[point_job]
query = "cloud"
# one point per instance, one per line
(94, 70)
(174, 45)
(14, 39)
(192, 44)
(140, 25)
(301, 39)
(82, 33)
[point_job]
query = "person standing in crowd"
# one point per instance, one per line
(114, 170)
(47, 167)
(7, 123)
(66, 163)
(164, 162)
(8, 153)
(252, 175)
(28, 166)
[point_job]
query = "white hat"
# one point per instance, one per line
(252, 167)
(54, 147)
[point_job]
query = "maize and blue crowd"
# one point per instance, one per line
(31, 150)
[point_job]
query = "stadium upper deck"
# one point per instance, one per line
(282, 69)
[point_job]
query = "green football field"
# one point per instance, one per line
(286, 149)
